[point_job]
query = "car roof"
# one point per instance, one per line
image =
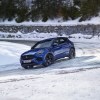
(52, 39)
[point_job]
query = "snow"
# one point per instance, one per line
(35, 36)
(76, 79)
(76, 86)
(29, 36)
(84, 38)
(55, 22)
(10, 52)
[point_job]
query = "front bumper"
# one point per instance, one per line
(28, 60)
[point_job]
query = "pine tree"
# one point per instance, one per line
(22, 11)
(89, 8)
(77, 2)
(45, 9)
(74, 12)
(64, 12)
(8, 10)
(0, 9)
(11, 10)
(36, 10)
(48, 9)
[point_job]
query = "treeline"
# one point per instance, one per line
(48, 9)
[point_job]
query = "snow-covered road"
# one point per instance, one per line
(75, 86)
(76, 79)
(87, 56)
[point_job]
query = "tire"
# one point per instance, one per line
(71, 53)
(27, 67)
(49, 59)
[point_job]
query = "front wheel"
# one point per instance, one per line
(71, 54)
(49, 59)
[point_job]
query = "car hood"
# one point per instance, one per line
(33, 51)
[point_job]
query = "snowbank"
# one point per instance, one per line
(84, 38)
(56, 22)
(35, 36)
(10, 52)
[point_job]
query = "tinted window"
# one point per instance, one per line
(56, 42)
(63, 40)
(43, 44)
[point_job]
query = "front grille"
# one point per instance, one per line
(27, 57)
(31, 63)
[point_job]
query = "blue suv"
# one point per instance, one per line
(45, 52)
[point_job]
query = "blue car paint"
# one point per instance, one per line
(59, 51)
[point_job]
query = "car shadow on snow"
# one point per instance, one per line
(66, 63)
(62, 64)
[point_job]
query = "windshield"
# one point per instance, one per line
(43, 44)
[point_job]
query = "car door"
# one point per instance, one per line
(65, 47)
(56, 48)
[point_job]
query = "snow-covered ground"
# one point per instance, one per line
(76, 79)
(84, 38)
(35, 36)
(74, 86)
(56, 22)
(10, 54)
(87, 55)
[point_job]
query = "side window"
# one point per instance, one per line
(63, 40)
(56, 42)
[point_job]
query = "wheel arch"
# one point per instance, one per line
(44, 63)
(73, 48)
(49, 53)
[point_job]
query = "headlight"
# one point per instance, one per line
(40, 52)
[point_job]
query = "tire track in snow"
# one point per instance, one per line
(88, 48)
(57, 73)
(82, 50)
(76, 70)
(16, 79)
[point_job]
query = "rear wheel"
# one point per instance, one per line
(49, 59)
(71, 53)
